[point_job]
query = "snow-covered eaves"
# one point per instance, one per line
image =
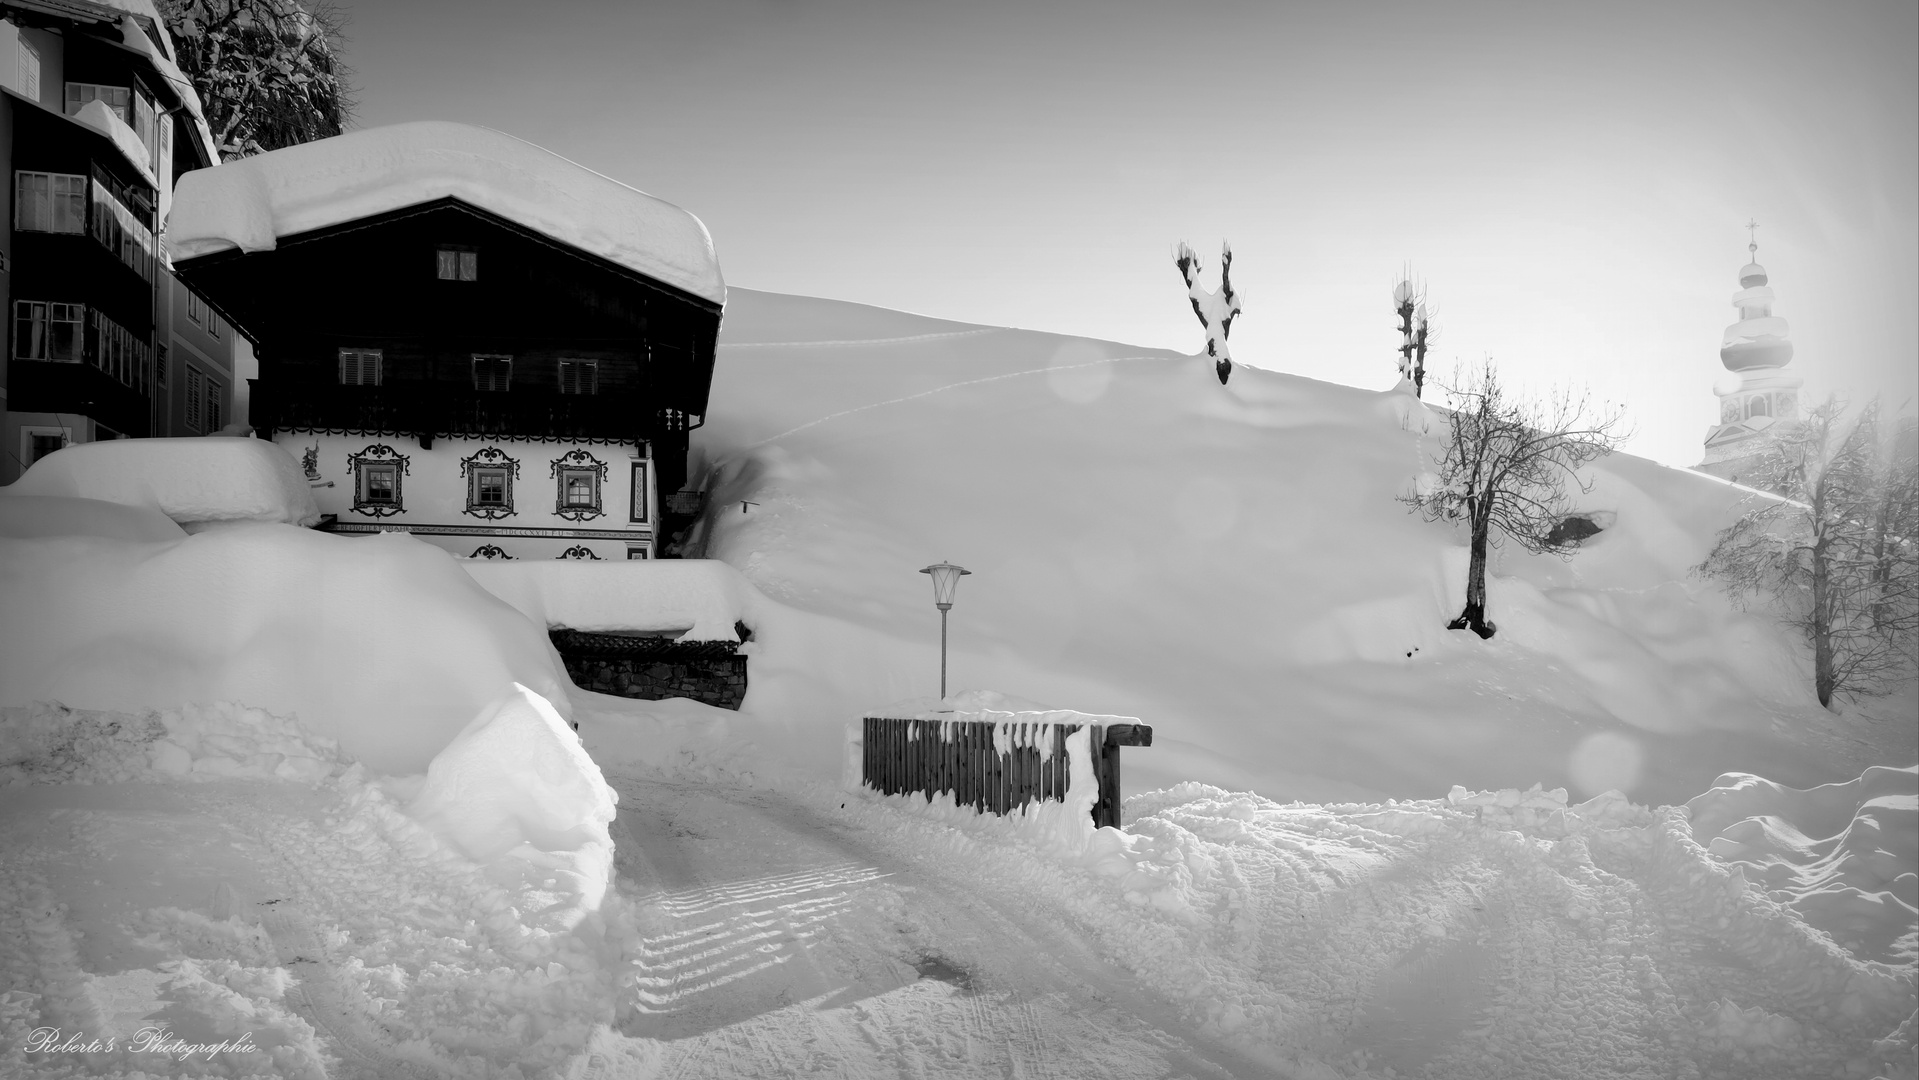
(134, 37)
(253, 203)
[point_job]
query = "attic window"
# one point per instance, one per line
(458, 264)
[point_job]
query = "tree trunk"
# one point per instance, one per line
(1822, 674)
(1474, 617)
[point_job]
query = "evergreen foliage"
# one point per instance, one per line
(268, 72)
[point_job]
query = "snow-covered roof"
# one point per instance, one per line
(251, 203)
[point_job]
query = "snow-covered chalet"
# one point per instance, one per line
(464, 336)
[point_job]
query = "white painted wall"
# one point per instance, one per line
(433, 492)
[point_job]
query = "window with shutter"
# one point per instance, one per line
(362, 367)
(196, 391)
(579, 377)
(492, 371)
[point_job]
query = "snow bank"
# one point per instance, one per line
(382, 643)
(251, 203)
(517, 791)
(196, 482)
(700, 596)
(49, 743)
(34, 517)
(1491, 933)
(1844, 856)
(315, 916)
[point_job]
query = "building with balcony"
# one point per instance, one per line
(464, 336)
(95, 124)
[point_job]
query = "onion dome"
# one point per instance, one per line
(1758, 339)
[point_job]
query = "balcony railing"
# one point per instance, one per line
(438, 409)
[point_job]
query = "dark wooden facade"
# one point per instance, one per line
(109, 378)
(375, 283)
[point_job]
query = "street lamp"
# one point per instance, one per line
(945, 579)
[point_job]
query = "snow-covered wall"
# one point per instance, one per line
(700, 596)
(251, 203)
(435, 491)
(192, 481)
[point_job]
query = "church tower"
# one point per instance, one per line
(1764, 395)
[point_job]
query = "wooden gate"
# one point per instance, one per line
(959, 756)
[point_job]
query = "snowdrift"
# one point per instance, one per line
(195, 482)
(516, 792)
(236, 881)
(383, 644)
(1231, 564)
(1844, 856)
(703, 598)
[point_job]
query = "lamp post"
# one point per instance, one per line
(945, 579)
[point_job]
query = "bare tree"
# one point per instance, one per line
(1507, 468)
(1415, 333)
(1833, 552)
(1216, 310)
(268, 72)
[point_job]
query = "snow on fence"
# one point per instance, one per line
(998, 765)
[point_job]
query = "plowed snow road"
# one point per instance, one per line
(777, 943)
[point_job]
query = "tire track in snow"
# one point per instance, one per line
(906, 971)
(318, 996)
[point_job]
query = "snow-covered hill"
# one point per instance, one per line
(1231, 564)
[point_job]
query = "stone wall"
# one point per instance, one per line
(651, 670)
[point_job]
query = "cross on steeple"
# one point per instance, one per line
(1752, 238)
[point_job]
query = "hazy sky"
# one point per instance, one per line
(1572, 182)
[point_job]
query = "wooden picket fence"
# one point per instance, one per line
(899, 755)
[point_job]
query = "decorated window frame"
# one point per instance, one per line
(579, 489)
(641, 490)
(489, 476)
(377, 475)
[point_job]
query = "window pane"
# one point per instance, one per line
(469, 265)
(64, 340)
(30, 201)
(379, 483)
(449, 267)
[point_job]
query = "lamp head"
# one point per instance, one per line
(945, 579)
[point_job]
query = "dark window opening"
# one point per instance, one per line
(457, 264)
